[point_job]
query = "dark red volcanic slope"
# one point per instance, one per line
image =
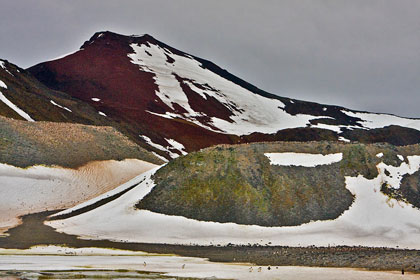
(174, 103)
(22, 97)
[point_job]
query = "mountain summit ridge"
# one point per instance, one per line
(165, 96)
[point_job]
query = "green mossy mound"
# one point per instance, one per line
(238, 183)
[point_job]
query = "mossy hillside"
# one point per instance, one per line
(409, 190)
(238, 183)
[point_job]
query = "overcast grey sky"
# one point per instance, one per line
(359, 54)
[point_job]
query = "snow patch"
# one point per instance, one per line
(95, 99)
(397, 173)
(176, 145)
(173, 145)
(400, 157)
(335, 128)
(371, 120)
(15, 108)
(159, 156)
(303, 159)
(167, 115)
(380, 155)
(170, 91)
(2, 65)
(341, 138)
(2, 84)
(102, 113)
(62, 107)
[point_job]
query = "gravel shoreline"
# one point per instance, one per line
(33, 232)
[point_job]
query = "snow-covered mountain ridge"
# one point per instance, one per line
(167, 95)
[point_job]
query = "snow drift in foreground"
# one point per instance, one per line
(373, 219)
(303, 159)
(41, 188)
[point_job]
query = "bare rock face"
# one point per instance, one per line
(23, 97)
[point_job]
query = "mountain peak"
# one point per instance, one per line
(108, 36)
(174, 102)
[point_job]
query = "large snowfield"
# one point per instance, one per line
(251, 112)
(373, 219)
(40, 188)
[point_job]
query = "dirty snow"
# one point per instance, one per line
(62, 107)
(303, 159)
(136, 180)
(40, 188)
(341, 138)
(15, 108)
(159, 156)
(177, 146)
(373, 219)
(173, 145)
(151, 143)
